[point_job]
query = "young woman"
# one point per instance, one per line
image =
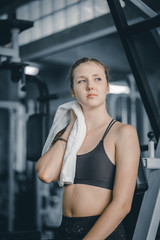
(107, 162)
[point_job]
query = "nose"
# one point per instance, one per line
(89, 86)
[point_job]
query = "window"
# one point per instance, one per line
(51, 16)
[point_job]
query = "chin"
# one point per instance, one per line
(92, 105)
(91, 102)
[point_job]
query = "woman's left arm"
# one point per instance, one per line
(127, 161)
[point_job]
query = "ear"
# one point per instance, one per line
(107, 92)
(72, 92)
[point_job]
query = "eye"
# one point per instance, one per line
(80, 81)
(98, 79)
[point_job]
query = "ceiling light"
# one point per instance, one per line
(119, 89)
(31, 70)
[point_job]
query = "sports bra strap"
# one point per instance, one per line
(108, 128)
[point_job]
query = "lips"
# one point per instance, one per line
(91, 95)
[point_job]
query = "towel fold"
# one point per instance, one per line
(75, 140)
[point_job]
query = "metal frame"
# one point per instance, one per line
(125, 33)
(149, 217)
(151, 163)
(141, 7)
(146, 11)
(16, 156)
(144, 25)
(14, 51)
(12, 27)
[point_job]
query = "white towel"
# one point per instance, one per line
(75, 139)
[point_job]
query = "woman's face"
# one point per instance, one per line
(90, 85)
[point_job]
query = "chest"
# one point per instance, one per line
(92, 141)
(95, 168)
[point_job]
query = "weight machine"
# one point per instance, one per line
(10, 61)
(149, 215)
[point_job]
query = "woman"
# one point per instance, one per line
(107, 162)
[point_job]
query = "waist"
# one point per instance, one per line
(81, 200)
(86, 218)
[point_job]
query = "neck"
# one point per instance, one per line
(96, 117)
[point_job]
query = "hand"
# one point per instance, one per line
(72, 117)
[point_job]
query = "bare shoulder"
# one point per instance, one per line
(126, 143)
(125, 132)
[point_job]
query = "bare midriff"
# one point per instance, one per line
(80, 200)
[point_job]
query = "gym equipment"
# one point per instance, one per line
(141, 183)
(10, 29)
(126, 33)
(36, 135)
(141, 186)
(18, 170)
(149, 215)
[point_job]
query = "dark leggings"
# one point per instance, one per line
(75, 228)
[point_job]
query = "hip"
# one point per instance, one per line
(72, 228)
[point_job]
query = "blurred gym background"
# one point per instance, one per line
(39, 41)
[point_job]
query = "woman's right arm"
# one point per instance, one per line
(49, 165)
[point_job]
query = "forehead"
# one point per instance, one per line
(88, 68)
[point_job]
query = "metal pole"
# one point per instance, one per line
(11, 171)
(15, 45)
(136, 66)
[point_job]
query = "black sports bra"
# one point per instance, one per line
(95, 168)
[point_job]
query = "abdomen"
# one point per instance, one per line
(84, 200)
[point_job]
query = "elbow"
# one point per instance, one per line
(126, 208)
(46, 174)
(44, 177)
(123, 208)
(42, 174)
